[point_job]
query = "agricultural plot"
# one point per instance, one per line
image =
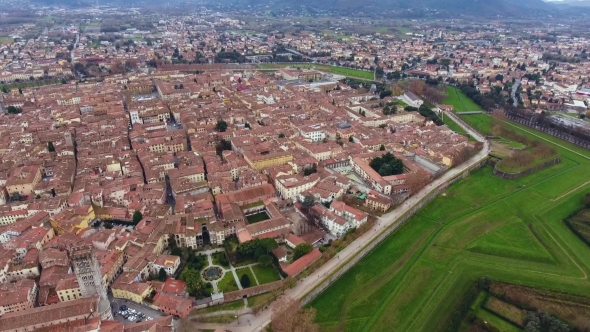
(510, 230)
(460, 101)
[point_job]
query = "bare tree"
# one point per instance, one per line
(288, 316)
(417, 181)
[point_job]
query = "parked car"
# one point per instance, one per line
(123, 308)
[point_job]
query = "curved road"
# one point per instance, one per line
(251, 323)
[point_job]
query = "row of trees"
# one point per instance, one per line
(426, 112)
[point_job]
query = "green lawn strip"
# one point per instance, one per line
(460, 102)
(479, 122)
(246, 262)
(257, 300)
(456, 128)
(496, 321)
(477, 215)
(350, 72)
(265, 274)
(258, 217)
(236, 305)
(247, 271)
(221, 319)
(228, 283)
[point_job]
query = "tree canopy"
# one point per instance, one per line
(265, 260)
(387, 164)
(137, 216)
(289, 316)
(301, 249)
(13, 110)
(245, 281)
(194, 283)
(162, 274)
(221, 126)
(256, 248)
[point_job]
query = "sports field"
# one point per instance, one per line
(460, 101)
(510, 230)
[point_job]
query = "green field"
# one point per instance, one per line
(265, 274)
(228, 283)
(456, 128)
(368, 75)
(248, 272)
(479, 122)
(510, 230)
(252, 219)
(460, 101)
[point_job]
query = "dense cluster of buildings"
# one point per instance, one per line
(198, 153)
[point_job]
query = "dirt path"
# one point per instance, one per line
(571, 191)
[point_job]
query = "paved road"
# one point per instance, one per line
(249, 323)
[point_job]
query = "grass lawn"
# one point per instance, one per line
(228, 283)
(259, 299)
(456, 128)
(367, 75)
(265, 274)
(221, 319)
(257, 217)
(460, 101)
(479, 122)
(248, 272)
(510, 230)
(5, 39)
(236, 305)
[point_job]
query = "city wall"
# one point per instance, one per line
(387, 232)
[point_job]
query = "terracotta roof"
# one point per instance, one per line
(303, 262)
(47, 314)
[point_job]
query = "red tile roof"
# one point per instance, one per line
(303, 262)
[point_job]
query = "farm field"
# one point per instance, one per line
(510, 230)
(368, 75)
(460, 101)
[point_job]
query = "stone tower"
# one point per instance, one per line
(89, 278)
(68, 138)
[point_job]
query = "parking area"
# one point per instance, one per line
(134, 312)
